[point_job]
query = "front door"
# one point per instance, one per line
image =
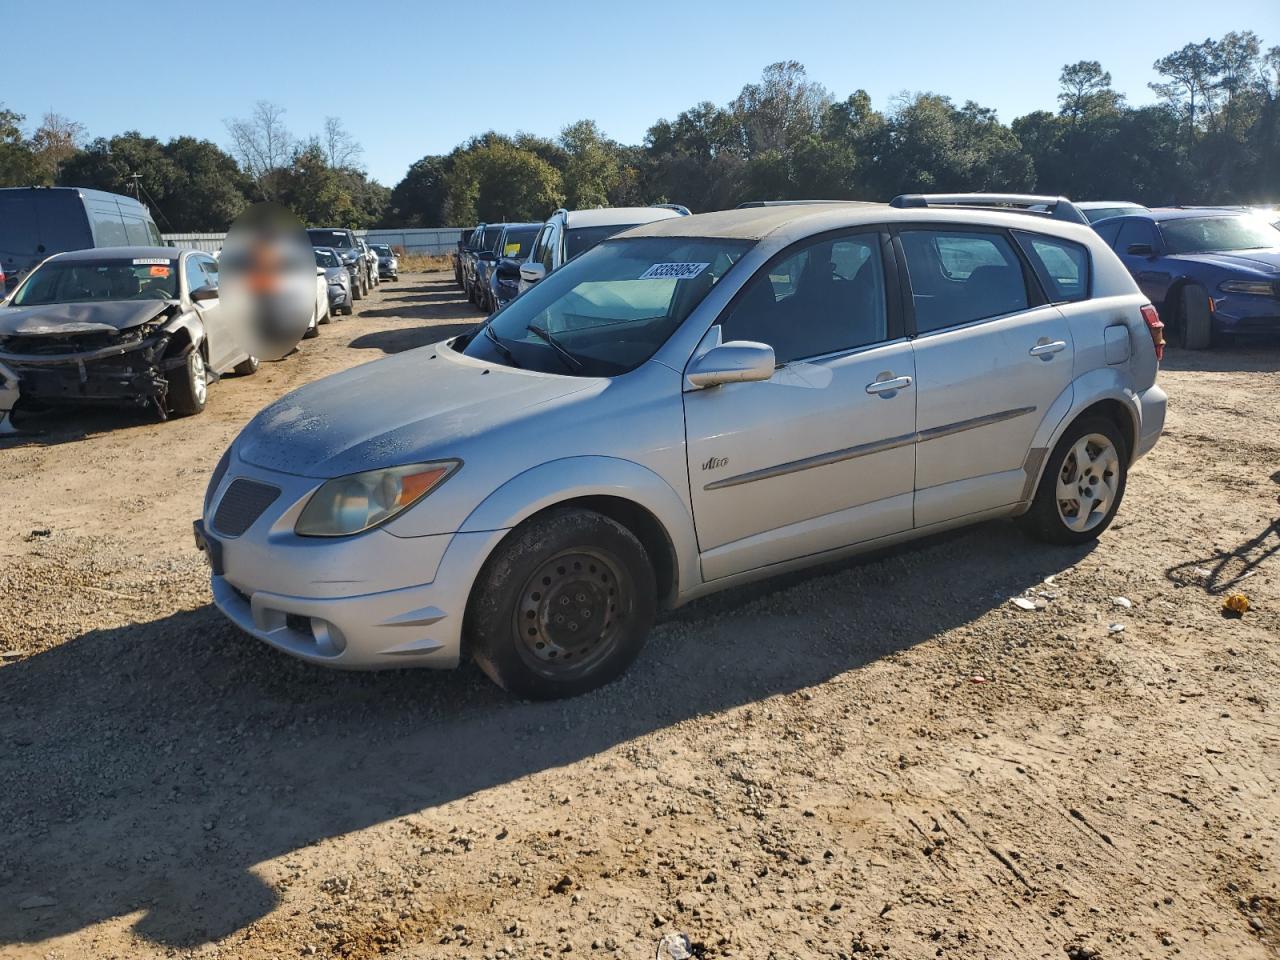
(821, 455)
(989, 364)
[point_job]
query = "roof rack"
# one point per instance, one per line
(679, 208)
(1055, 208)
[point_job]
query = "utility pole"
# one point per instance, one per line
(137, 185)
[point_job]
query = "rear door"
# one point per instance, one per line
(991, 356)
(820, 455)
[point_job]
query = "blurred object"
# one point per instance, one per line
(1236, 603)
(268, 279)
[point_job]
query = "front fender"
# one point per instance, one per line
(189, 323)
(571, 478)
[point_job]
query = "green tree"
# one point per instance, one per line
(418, 199)
(18, 164)
(591, 172)
(492, 180)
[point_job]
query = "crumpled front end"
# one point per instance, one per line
(92, 367)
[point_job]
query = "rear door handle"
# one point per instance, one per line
(1047, 350)
(888, 386)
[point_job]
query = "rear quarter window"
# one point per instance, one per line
(1062, 266)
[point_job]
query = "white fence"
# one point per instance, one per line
(426, 241)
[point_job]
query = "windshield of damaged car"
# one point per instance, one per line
(609, 310)
(1218, 234)
(338, 239)
(87, 281)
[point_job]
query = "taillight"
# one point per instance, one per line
(1154, 327)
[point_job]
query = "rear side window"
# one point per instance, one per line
(959, 277)
(135, 228)
(19, 233)
(108, 227)
(1062, 266)
(1109, 231)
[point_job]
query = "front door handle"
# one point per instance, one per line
(1047, 350)
(888, 386)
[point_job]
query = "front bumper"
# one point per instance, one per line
(366, 602)
(130, 371)
(339, 296)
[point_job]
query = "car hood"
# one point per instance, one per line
(64, 319)
(416, 405)
(1264, 261)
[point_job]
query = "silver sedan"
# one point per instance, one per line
(694, 404)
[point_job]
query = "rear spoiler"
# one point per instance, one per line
(1055, 208)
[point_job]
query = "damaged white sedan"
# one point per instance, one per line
(134, 325)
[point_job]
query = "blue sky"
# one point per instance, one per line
(412, 79)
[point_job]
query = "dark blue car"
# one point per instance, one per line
(1212, 274)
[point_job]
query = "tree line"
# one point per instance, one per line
(1212, 137)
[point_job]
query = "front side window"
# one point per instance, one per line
(826, 297)
(608, 311)
(79, 281)
(551, 241)
(1134, 231)
(1219, 234)
(959, 277)
(1062, 266)
(327, 258)
(489, 239)
(196, 277)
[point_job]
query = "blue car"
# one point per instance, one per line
(1212, 274)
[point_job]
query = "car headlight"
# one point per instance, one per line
(1259, 287)
(219, 472)
(347, 505)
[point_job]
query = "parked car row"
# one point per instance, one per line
(498, 261)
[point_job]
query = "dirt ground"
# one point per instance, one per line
(884, 758)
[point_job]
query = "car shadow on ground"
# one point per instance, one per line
(152, 767)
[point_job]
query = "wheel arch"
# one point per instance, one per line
(626, 492)
(1097, 393)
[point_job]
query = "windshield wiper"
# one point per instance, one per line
(567, 358)
(501, 347)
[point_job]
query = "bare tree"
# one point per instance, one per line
(56, 141)
(262, 144)
(340, 147)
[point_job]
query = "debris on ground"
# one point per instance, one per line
(1236, 603)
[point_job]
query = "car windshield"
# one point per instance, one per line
(608, 311)
(87, 281)
(338, 239)
(327, 258)
(580, 239)
(518, 242)
(381, 248)
(1102, 213)
(489, 237)
(1218, 234)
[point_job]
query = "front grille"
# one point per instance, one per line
(241, 505)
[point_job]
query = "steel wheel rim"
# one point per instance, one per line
(571, 613)
(199, 384)
(1088, 482)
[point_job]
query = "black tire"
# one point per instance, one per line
(1195, 319)
(187, 396)
(357, 289)
(247, 367)
(1046, 520)
(346, 310)
(312, 332)
(589, 565)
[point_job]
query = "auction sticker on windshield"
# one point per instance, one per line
(674, 271)
(145, 261)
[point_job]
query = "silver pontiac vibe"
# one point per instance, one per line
(692, 404)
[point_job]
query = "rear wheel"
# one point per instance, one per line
(357, 288)
(563, 606)
(1082, 485)
(189, 386)
(246, 367)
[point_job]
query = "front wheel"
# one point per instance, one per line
(189, 385)
(1082, 485)
(1195, 318)
(563, 606)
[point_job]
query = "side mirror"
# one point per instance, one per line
(532, 272)
(488, 256)
(201, 294)
(1140, 250)
(737, 361)
(507, 270)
